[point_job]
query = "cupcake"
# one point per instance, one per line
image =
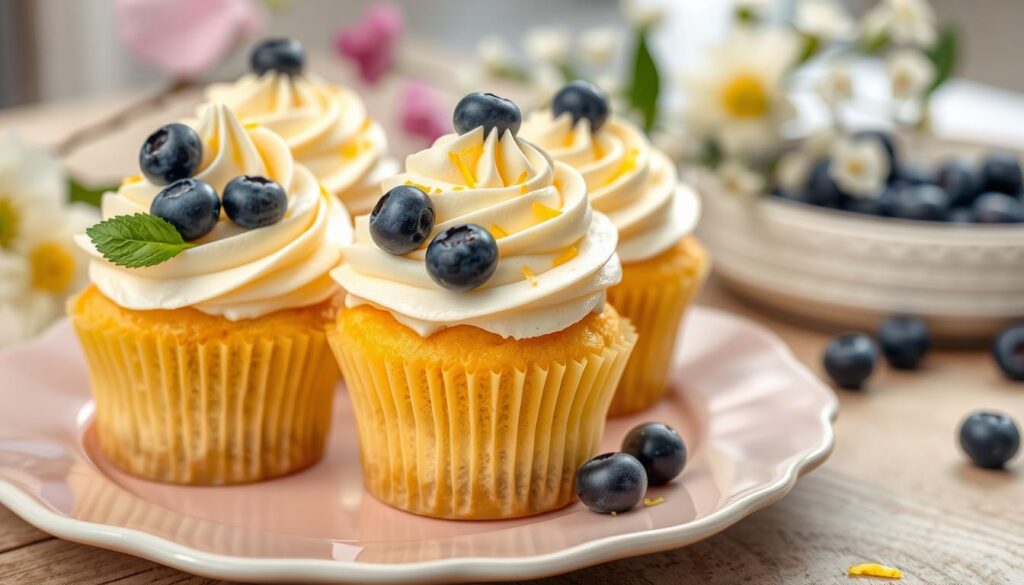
(203, 324)
(637, 187)
(480, 367)
(325, 125)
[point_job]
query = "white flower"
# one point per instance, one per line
(837, 85)
(824, 19)
(610, 83)
(547, 45)
(32, 189)
(911, 73)
(599, 45)
(819, 144)
(738, 99)
(859, 166)
(793, 170)
(494, 53)
(673, 140)
(643, 13)
(905, 22)
(736, 178)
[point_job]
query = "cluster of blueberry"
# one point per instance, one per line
(171, 155)
(990, 439)
(652, 454)
(957, 192)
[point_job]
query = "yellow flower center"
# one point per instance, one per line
(745, 97)
(53, 268)
(9, 220)
(855, 167)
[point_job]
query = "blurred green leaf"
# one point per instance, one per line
(944, 56)
(874, 45)
(810, 47)
(709, 154)
(77, 192)
(513, 72)
(746, 15)
(646, 82)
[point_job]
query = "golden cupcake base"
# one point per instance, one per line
(185, 397)
(654, 295)
(467, 425)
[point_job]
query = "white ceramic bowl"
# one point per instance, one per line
(850, 271)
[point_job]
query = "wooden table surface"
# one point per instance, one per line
(896, 489)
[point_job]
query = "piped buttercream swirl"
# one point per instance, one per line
(235, 272)
(630, 181)
(556, 256)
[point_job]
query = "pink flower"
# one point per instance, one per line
(422, 113)
(186, 38)
(371, 42)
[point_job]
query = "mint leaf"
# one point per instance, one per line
(646, 83)
(136, 241)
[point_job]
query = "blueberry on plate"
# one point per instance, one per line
(888, 143)
(998, 208)
(611, 483)
(960, 180)
(795, 197)
(190, 205)
(960, 215)
(850, 359)
(914, 174)
(402, 220)
(865, 205)
(821, 188)
(253, 202)
(462, 258)
(489, 111)
(282, 55)
(1001, 173)
(904, 341)
(659, 448)
(582, 99)
(1008, 349)
(919, 202)
(990, 439)
(173, 152)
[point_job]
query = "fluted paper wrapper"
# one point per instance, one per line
(656, 309)
(225, 410)
(484, 444)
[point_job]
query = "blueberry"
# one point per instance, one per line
(582, 100)
(913, 174)
(613, 482)
(960, 180)
(821, 189)
(1001, 173)
(254, 201)
(1008, 350)
(904, 341)
(849, 360)
(173, 152)
(865, 205)
(462, 258)
(998, 208)
(960, 215)
(489, 111)
(990, 439)
(919, 202)
(282, 55)
(659, 448)
(888, 143)
(190, 205)
(796, 197)
(402, 220)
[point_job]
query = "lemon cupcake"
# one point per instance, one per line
(480, 368)
(203, 328)
(638, 188)
(325, 125)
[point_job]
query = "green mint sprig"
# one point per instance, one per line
(137, 241)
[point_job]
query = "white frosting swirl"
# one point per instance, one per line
(235, 272)
(556, 257)
(325, 125)
(634, 184)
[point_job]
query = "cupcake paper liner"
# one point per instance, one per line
(448, 442)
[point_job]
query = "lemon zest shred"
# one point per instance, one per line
(874, 570)
(529, 275)
(458, 188)
(522, 177)
(251, 125)
(544, 212)
(566, 255)
(461, 166)
(615, 513)
(628, 164)
(523, 189)
(649, 502)
(350, 150)
(423, 188)
(497, 232)
(131, 180)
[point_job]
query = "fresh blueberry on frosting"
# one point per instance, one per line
(582, 100)
(489, 111)
(190, 205)
(402, 220)
(462, 258)
(173, 152)
(254, 201)
(282, 55)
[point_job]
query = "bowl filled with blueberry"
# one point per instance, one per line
(879, 225)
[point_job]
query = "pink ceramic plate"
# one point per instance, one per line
(754, 420)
